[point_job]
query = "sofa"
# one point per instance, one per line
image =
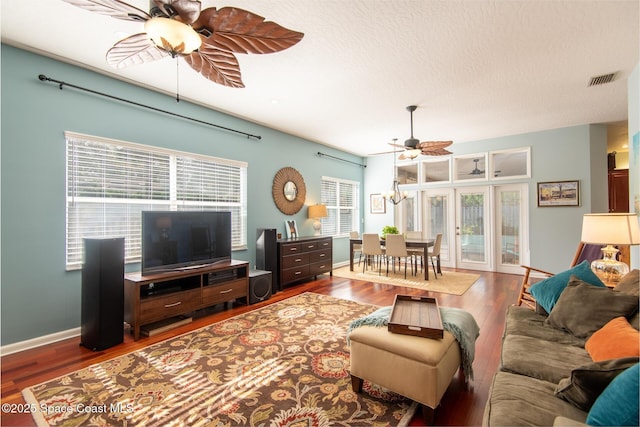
(574, 360)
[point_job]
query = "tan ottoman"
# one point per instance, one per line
(415, 367)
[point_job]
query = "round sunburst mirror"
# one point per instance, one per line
(289, 190)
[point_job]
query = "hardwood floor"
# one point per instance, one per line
(487, 300)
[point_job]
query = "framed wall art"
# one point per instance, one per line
(558, 193)
(291, 228)
(378, 205)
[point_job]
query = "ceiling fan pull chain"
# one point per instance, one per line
(177, 80)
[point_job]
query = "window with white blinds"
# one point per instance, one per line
(341, 198)
(109, 184)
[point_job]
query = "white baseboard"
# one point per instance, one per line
(39, 341)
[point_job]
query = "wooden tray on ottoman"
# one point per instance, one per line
(418, 316)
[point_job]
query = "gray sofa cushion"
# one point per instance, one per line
(525, 322)
(630, 283)
(542, 359)
(582, 308)
(517, 400)
(587, 382)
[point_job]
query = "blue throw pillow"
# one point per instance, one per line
(618, 403)
(547, 291)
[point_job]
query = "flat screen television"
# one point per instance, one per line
(178, 240)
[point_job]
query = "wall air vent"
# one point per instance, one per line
(600, 80)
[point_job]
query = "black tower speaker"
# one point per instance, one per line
(102, 316)
(267, 253)
(259, 286)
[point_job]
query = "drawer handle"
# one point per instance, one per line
(310, 247)
(293, 249)
(172, 305)
(226, 292)
(322, 255)
(298, 259)
(298, 273)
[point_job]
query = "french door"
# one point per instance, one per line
(483, 227)
(473, 228)
(512, 220)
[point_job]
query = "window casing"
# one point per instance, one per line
(109, 183)
(341, 198)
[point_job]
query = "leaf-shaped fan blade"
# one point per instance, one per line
(187, 10)
(240, 31)
(134, 50)
(397, 146)
(219, 66)
(435, 152)
(114, 8)
(432, 145)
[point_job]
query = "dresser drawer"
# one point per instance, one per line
(228, 291)
(290, 249)
(320, 256)
(324, 243)
(292, 261)
(163, 306)
(293, 274)
(320, 267)
(308, 246)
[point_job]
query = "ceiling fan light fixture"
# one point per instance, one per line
(173, 36)
(410, 154)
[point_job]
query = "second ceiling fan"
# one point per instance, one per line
(413, 147)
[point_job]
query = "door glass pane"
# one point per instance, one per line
(410, 213)
(437, 222)
(472, 227)
(510, 230)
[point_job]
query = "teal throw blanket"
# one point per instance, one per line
(460, 323)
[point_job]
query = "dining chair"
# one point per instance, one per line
(357, 248)
(396, 248)
(372, 250)
(416, 253)
(435, 253)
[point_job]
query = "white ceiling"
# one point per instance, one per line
(476, 69)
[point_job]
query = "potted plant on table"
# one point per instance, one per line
(389, 229)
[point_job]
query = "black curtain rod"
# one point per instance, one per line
(61, 84)
(342, 160)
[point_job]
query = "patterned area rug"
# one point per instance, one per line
(286, 364)
(450, 282)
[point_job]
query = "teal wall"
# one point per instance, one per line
(38, 296)
(573, 153)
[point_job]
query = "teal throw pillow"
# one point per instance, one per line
(618, 403)
(547, 291)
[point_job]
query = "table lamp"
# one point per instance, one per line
(610, 229)
(316, 212)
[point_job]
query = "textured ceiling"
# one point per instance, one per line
(476, 69)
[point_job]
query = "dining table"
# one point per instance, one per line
(411, 243)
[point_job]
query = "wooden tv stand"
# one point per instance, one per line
(155, 297)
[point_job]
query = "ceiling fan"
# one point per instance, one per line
(207, 39)
(413, 147)
(476, 170)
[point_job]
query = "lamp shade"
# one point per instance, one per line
(173, 36)
(317, 211)
(611, 228)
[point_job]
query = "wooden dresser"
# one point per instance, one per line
(303, 258)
